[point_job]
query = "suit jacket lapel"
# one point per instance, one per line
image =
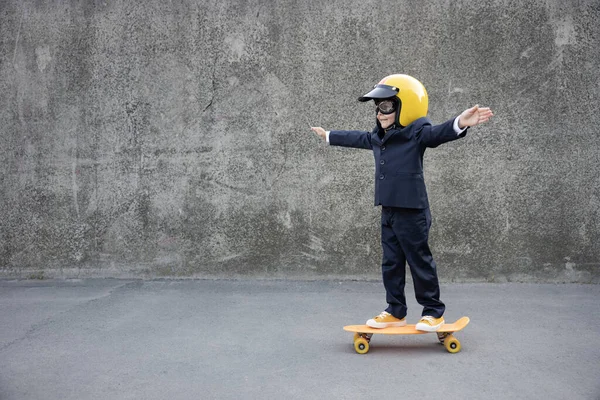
(375, 138)
(387, 135)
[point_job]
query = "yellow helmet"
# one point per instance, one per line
(411, 93)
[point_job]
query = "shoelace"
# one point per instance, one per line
(383, 315)
(428, 318)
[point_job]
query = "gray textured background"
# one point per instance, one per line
(149, 139)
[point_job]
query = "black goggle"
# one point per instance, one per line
(385, 107)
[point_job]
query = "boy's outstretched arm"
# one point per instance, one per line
(356, 139)
(474, 116)
(435, 135)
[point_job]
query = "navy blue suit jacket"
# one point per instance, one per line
(399, 158)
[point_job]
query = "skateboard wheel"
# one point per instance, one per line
(361, 345)
(452, 344)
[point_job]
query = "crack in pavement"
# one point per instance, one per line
(47, 321)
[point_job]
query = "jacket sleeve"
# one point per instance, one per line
(434, 135)
(357, 139)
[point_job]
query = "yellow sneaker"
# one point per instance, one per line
(385, 320)
(430, 324)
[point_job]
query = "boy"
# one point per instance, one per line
(398, 142)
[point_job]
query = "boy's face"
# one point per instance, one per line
(386, 120)
(386, 112)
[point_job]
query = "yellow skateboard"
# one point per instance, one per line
(363, 334)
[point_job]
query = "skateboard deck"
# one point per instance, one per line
(363, 334)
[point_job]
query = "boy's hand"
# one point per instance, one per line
(474, 116)
(319, 131)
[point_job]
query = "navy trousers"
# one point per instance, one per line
(404, 238)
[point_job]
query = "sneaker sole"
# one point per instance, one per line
(380, 325)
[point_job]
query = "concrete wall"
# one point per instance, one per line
(171, 138)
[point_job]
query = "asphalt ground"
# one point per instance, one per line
(253, 339)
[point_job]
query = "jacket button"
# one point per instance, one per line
(382, 148)
(382, 162)
(381, 176)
